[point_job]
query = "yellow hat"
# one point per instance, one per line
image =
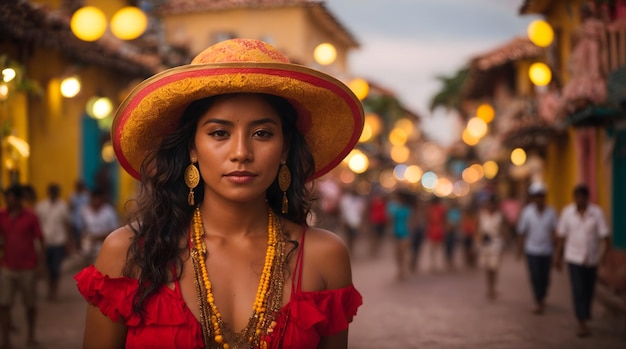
(330, 116)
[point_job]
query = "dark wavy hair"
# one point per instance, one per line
(163, 217)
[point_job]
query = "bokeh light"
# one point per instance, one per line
(399, 171)
(471, 175)
(540, 33)
(129, 23)
(518, 156)
(477, 127)
(388, 180)
(358, 162)
(346, 176)
(485, 112)
(366, 134)
(360, 87)
(8, 74)
(99, 107)
(325, 53)
(108, 154)
(413, 174)
(443, 187)
(400, 153)
(398, 136)
(404, 124)
(429, 180)
(540, 74)
(88, 23)
(460, 188)
(469, 139)
(491, 169)
(70, 87)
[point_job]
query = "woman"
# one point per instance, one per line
(491, 227)
(223, 147)
(400, 211)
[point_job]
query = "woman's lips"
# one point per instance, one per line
(240, 177)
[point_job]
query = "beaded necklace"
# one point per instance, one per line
(269, 296)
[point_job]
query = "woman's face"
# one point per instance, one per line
(239, 147)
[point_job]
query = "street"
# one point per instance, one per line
(437, 310)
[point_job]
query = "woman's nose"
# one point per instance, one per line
(241, 148)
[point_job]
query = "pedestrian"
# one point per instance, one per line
(225, 148)
(54, 217)
(418, 230)
(536, 233)
(469, 227)
(491, 235)
(351, 210)
(399, 211)
(99, 219)
(583, 238)
(453, 220)
(435, 229)
(22, 262)
(78, 199)
(378, 221)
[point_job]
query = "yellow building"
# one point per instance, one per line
(296, 27)
(64, 143)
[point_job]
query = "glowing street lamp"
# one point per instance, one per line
(540, 33)
(88, 23)
(491, 169)
(518, 156)
(360, 87)
(358, 162)
(8, 74)
(540, 74)
(468, 138)
(129, 23)
(485, 112)
(70, 87)
(477, 128)
(325, 53)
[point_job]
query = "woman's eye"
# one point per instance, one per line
(218, 133)
(263, 134)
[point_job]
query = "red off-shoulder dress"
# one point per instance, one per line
(169, 323)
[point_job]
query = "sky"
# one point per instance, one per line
(405, 44)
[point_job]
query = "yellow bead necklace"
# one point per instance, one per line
(267, 302)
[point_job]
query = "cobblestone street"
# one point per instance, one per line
(440, 310)
(434, 310)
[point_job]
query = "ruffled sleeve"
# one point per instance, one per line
(111, 295)
(339, 308)
(311, 315)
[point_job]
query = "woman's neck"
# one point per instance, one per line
(229, 218)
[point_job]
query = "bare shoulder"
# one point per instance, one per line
(328, 254)
(113, 254)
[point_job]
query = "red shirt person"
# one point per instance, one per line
(20, 231)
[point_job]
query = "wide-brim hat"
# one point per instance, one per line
(330, 116)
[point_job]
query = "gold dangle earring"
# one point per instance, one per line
(284, 181)
(192, 178)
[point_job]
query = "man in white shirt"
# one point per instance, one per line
(535, 230)
(583, 230)
(351, 208)
(54, 216)
(99, 220)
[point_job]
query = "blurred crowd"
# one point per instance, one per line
(474, 232)
(42, 238)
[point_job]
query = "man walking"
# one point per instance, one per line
(583, 230)
(21, 232)
(54, 216)
(535, 229)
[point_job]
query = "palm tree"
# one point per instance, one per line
(450, 94)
